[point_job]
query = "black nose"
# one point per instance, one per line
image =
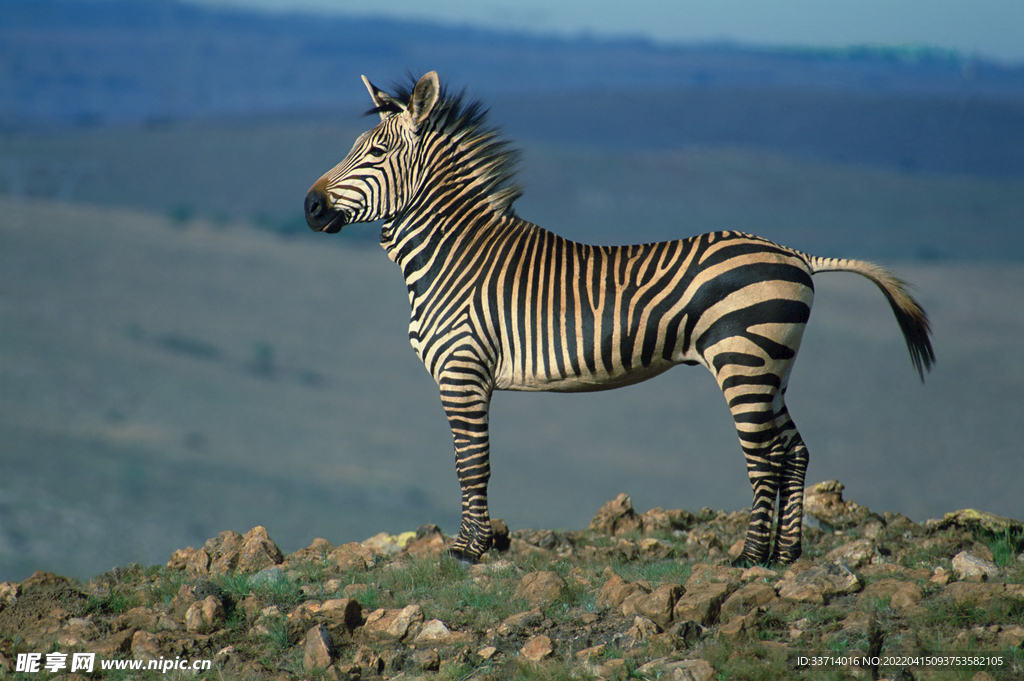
(319, 215)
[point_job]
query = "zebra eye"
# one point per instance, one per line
(377, 150)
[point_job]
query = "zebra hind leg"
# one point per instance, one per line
(787, 546)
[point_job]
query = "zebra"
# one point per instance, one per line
(498, 303)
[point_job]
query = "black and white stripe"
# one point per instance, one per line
(498, 303)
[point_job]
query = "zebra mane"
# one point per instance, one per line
(492, 159)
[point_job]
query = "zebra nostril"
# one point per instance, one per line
(314, 204)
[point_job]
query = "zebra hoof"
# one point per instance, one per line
(463, 559)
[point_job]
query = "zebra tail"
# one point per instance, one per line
(912, 319)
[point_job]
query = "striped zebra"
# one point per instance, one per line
(501, 304)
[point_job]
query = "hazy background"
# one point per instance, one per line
(179, 355)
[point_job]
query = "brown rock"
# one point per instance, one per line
(616, 517)
(223, 551)
(319, 649)
(426, 660)
(540, 588)
(538, 648)
(404, 621)
(746, 599)
(819, 584)
(967, 566)
(206, 615)
(660, 521)
(824, 501)
(737, 628)
(678, 670)
(145, 646)
(703, 573)
(616, 590)
(1011, 637)
(650, 548)
(342, 612)
(656, 606)
(643, 629)
(258, 551)
(114, 645)
(855, 554)
(523, 620)
(436, 632)
(393, 624)
(351, 556)
(702, 602)
(369, 662)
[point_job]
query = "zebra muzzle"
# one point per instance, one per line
(320, 216)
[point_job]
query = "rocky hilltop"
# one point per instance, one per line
(647, 596)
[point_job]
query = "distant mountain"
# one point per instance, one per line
(89, 62)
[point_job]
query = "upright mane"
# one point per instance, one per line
(490, 158)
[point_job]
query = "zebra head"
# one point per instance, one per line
(380, 173)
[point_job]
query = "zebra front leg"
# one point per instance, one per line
(467, 410)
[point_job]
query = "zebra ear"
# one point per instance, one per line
(424, 98)
(383, 103)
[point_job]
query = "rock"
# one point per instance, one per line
(319, 649)
(222, 554)
(855, 554)
(393, 624)
(343, 613)
(903, 596)
(77, 632)
(758, 572)
(513, 624)
(145, 646)
(318, 550)
(969, 518)
(351, 557)
(258, 551)
(824, 503)
(384, 544)
(616, 590)
(702, 603)
(643, 629)
(651, 549)
(747, 598)
(369, 662)
(1011, 637)
(738, 627)
(204, 616)
(819, 584)
(660, 521)
(616, 517)
(538, 648)
(426, 660)
(980, 594)
(268, 577)
(436, 632)
(678, 670)
(540, 588)
(967, 566)
(656, 606)
(114, 645)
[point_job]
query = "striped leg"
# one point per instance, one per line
(466, 406)
(751, 403)
(791, 493)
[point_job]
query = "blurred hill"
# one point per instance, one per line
(102, 62)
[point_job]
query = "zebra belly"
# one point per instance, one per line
(587, 382)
